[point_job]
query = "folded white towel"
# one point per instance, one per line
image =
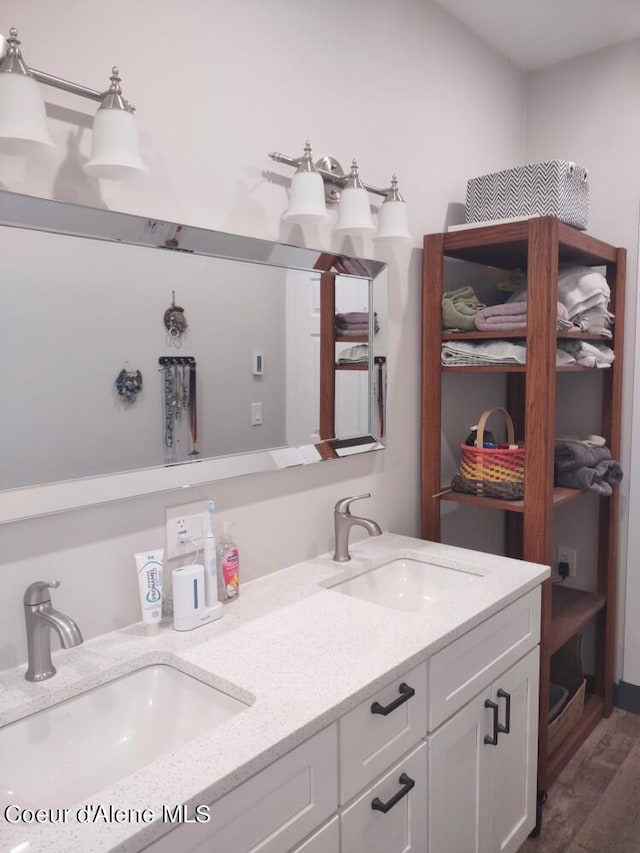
(358, 354)
(595, 320)
(587, 354)
(492, 352)
(580, 288)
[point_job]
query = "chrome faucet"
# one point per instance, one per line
(344, 521)
(41, 618)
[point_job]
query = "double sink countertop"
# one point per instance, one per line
(299, 653)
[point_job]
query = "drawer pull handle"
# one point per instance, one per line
(492, 739)
(406, 693)
(407, 784)
(502, 694)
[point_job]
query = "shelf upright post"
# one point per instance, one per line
(540, 420)
(432, 290)
(608, 516)
(327, 356)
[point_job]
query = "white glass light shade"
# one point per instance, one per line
(393, 223)
(23, 121)
(354, 213)
(114, 145)
(306, 201)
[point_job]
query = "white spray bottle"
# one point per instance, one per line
(210, 563)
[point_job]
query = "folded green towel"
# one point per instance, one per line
(459, 308)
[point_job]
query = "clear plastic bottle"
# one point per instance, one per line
(228, 567)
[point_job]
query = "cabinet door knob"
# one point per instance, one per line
(407, 784)
(492, 739)
(406, 693)
(502, 694)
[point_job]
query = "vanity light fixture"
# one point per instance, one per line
(114, 149)
(349, 192)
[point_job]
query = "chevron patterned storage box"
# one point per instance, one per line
(555, 188)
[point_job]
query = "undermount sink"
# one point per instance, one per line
(72, 750)
(409, 584)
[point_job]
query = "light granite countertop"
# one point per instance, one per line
(300, 653)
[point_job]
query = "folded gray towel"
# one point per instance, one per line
(352, 317)
(585, 479)
(353, 327)
(599, 478)
(572, 455)
(610, 471)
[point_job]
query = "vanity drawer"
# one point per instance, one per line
(403, 826)
(274, 810)
(459, 671)
(379, 730)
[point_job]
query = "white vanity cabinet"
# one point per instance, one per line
(441, 759)
(483, 759)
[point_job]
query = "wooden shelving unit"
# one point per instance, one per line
(329, 337)
(537, 245)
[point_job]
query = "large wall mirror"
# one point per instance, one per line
(143, 355)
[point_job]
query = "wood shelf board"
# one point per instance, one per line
(351, 339)
(512, 368)
(352, 367)
(506, 245)
(520, 334)
(561, 495)
(571, 609)
(591, 716)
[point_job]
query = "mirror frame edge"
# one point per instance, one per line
(32, 501)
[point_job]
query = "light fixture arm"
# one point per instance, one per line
(13, 62)
(66, 85)
(332, 177)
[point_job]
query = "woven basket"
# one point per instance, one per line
(492, 473)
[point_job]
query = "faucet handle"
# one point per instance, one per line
(38, 592)
(343, 505)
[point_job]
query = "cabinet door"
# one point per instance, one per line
(483, 794)
(514, 759)
(391, 815)
(458, 799)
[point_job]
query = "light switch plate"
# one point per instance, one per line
(256, 414)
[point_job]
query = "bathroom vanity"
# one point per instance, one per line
(385, 704)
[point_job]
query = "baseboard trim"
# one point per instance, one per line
(627, 696)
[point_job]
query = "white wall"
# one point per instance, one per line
(218, 85)
(588, 110)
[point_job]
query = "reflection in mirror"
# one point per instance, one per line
(130, 363)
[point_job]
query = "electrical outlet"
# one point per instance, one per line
(568, 556)
(184, 535)
(180, 530)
